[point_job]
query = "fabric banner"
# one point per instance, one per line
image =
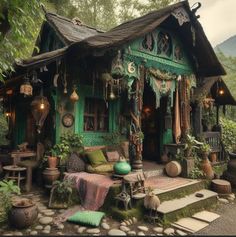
(176, 125)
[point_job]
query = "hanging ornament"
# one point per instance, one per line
(26, 88)
(74, 96)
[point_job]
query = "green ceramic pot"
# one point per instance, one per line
(122, 167)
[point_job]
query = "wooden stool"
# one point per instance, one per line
(14, 173)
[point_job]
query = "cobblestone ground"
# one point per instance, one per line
(45, 226)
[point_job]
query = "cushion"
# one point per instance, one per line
(92, 218)
(113, 156)
(104, 168)
(96, 157)
(75, 163)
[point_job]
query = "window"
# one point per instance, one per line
(164, 44)
(96, 115)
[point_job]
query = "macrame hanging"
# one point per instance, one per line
(181, 15)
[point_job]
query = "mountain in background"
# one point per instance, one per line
(227, 47)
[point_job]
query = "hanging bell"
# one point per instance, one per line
(74, 96)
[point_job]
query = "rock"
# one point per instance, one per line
(169, 231)
(18, 233)
(40, 215)
(8, 234)
(134, 220)
(60, 233)
(46, 231)
(28, 230)
(123, 223)
(158, 229)
(45, 220)
(42, 208)
(60, 227)
(124, 228)
(223, 200)
(34, 232)
(105, 226)
(131, 233)
(232, 195)
(47, 227)
(140, 233)
(49, 213)
(39, 227)
(115, 232)
(81, 229)
(180, 232)
(130, 221)
(93, 231)
(127, 222)
(142, 228)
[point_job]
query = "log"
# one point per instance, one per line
(221, 186)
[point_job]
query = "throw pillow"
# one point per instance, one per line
(92, 218)
(75, 163)
(113, 156)
(96, 157)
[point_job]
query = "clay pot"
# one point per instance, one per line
(207, 169)
(52, 161)
(50, 175)
(173, 168)
(23, 213)
(122, 167)
(213, 157)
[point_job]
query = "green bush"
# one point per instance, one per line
(228, 134)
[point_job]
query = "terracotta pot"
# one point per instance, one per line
(52, 161)
(213, 157)
(207, 169)
(50, 175)
(23, 213)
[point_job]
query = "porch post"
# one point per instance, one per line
(136, 135)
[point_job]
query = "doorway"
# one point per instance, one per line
(153, 125)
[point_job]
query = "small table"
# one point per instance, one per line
(14, 172)
(17, 155)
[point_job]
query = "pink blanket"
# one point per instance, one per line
(92, 188)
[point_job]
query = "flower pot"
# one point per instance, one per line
(207, 169)
(50, 175)
(213, 157)
(52, 161)
(122, 167)
(23, 213)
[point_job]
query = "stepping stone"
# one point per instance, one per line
(124, 228)
(134, 220)
(45, 220)
(34, 232)
(105, 226)
(142, 228)
(123, 223)
(223, 200)
(81, 229)
(47, 227)
(158, 229)
(169, 231)
(18, 233)
(180, 232)
(60, 227)
(131, 233)
(192, 224)
(206, 216)
(93, 231)
(46, 231)
(140, 233)
(39, 227)
(115, 232)
(60, 233)
(49, 213)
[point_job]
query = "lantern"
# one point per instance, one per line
(26, 88)
(74, 96)
(40, 109)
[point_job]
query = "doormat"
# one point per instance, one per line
(165, 183)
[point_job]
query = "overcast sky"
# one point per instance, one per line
(218, 19)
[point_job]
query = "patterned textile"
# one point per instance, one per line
(92, 188)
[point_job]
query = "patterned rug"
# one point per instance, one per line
(165, 183)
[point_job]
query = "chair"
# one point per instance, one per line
(32, 164)
(136, 184)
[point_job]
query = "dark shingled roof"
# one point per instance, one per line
(67, 30)
(208, 63)
(209, 85)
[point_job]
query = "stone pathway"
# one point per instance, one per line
(131, 227)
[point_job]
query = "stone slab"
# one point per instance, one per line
(206, 216)
(191, 224)
(176, 204)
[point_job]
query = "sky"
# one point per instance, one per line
(218, 19)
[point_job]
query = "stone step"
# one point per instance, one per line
(186, 206)
(151, 173)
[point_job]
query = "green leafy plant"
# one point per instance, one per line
(9, 187)
(196, 173)
(191, 143)
(205, 148)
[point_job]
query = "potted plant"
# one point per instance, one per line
(205, 150)
(190, 144)
(7, 189)
(52, 159)
(60, 194)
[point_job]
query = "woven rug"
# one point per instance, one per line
(165, 183)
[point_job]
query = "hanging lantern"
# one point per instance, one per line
(40, 109)
(74, 96)
(26, 88)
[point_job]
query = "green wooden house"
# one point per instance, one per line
(135, 82)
